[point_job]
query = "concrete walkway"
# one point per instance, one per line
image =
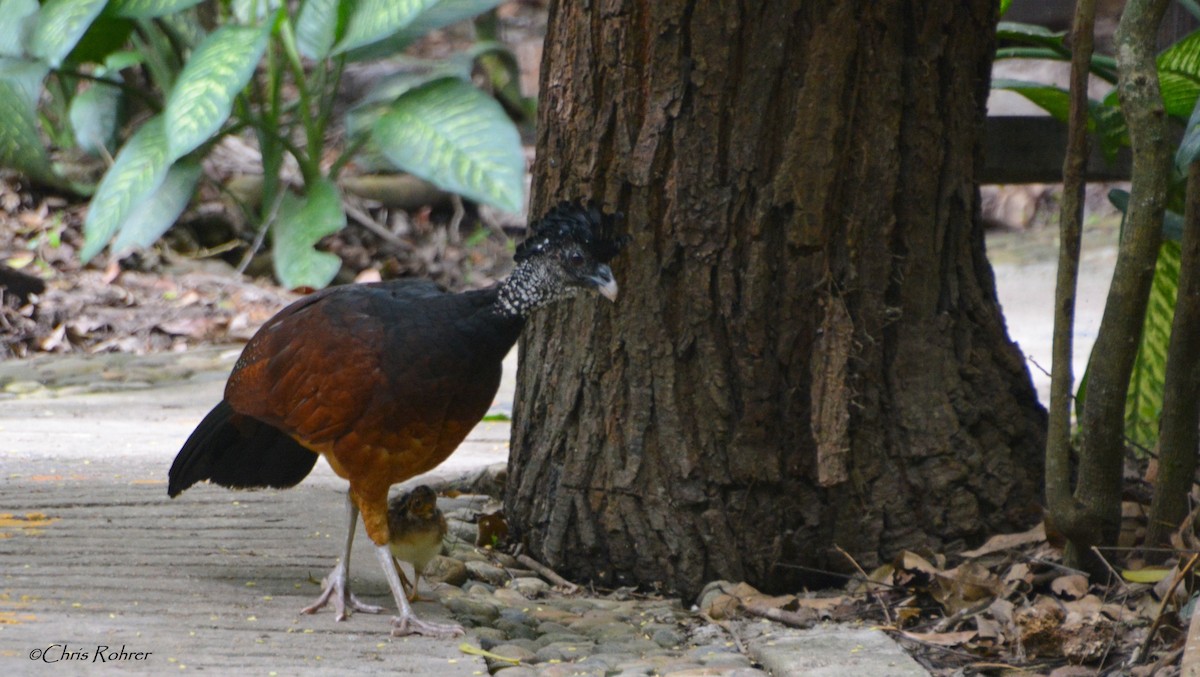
(95, 559)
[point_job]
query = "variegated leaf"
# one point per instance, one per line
(374, 20)
(158, 212)
(316, 27)
(203, 94)
(455, 136)
(61, 23)
(1143, 403)
(137, 172)
(148, 9)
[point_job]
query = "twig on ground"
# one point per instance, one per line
(887, 614)
(364, 219)
(961, 615)
(549, 574)
(1162, 607)
(789, 618)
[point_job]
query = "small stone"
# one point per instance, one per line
(594, 622)
(466, 553)
(564, 651)
(510, 670)
(633, 647)
(508, 561)
(667, 638)
(550, 627)
(563, 637)
(511, 597)
(517, 616)
(467, 605)
(513, 651)
(448, 570)
(487, 573)
(711, 652)
(463, 531)
(477, 589)
(516, 630)
(529, 586)
(489, 637)
(726, 661)
(614, 632)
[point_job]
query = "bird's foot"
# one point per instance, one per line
(337, 591)
(409, 624)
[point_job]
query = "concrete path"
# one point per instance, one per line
(95, 559)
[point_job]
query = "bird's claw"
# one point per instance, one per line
(411, 625)
(336, 591)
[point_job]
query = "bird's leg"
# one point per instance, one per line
(409, 588)
(407, 623)
(337, 583)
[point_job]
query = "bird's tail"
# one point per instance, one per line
(239, 452)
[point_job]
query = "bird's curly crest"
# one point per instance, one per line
(582, 222)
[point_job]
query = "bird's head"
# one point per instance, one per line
(420, 502)
(570, 248)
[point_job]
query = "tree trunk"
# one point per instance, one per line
(808, 351)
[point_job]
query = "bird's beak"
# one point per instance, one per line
(605, 284)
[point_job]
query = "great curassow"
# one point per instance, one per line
(385, 380)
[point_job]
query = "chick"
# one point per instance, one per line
(416, 528)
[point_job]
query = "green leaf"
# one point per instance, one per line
(160, 209)
(17, 18)
(1033, 34)
(148, 9)
(1189, 147)
(440, 13)
(374, 20)
(1179, 75)
(61, 24)
(21, 146)
(105, 36)
(94, 114)
(203, 94)
(1054, 100)
(253, 11)
(444, 13)
(1004, 5)
(137, 172)
(1143, 403)
(301, 223)
(317, 27)
(455, 136)
(411, 73)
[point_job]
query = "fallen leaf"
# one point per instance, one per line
(1072, 586)
(942, 638)
(1147, 575)
(1008, 542)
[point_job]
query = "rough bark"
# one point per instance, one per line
(808, 350)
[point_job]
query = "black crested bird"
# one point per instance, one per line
(385, 380)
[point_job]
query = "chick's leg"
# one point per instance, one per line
(409, 588)
(337, 583)
(407, 623)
